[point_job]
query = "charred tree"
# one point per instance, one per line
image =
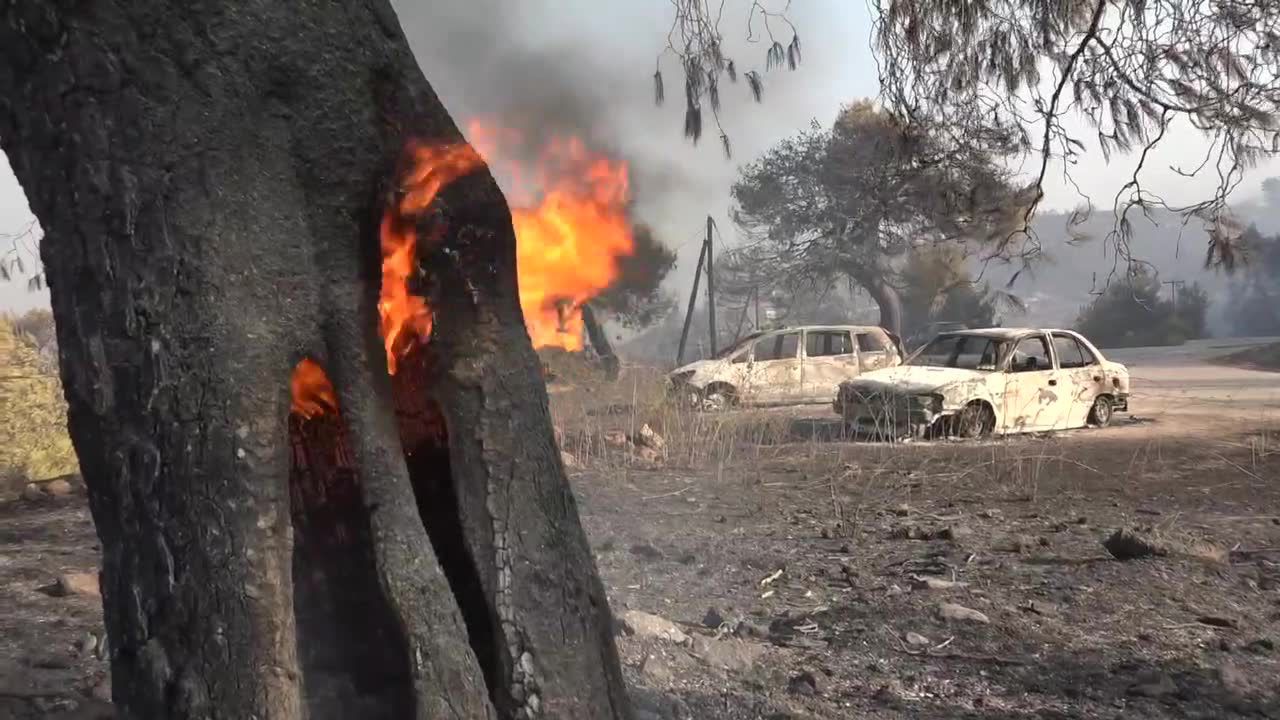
(210, 178)
(600, 342)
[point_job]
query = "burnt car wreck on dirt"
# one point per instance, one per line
(976, 383)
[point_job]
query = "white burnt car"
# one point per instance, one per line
(786, 366)
(974, 383)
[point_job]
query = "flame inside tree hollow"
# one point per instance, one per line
(569, 213)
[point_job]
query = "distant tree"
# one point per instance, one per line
(636, 299)
(1271, 192)
(1134, 313)
(1010, 72)
(1254, 294)
(937, 286)
(853, 200)
(35, 327)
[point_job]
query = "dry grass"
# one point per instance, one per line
(34, 444)
(592, 417)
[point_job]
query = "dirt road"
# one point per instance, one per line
(1183, 381)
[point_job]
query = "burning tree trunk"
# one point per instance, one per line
(211, 179)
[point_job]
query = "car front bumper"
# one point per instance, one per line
(880, 414)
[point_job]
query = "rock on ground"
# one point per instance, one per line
(651, 627)
(81, 583)
(960, 613)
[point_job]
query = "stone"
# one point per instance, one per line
(934, 583)
(917, 641)
(657, 669)
(32, 493)
(652, 627)
(77, 583)
(1125, 544)
(805, 683)
(58, 488)
(616, 438)
(648, 438)
(87, 645)
(956, 533)
(569, 460)
(731, 655)
(959, 613)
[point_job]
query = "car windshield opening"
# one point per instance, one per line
(968, 352)
(737, 346)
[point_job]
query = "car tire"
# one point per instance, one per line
(1102, 411)
(974, 422)
(717, 399)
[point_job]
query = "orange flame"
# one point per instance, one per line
(568, 243)
(405, 318)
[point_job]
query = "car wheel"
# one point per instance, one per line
(975, 421)
(717, 399)
(1102, 411)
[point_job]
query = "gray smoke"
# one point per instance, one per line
(519, 65)
(585, 67)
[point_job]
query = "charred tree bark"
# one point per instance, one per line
(209, 177)
(600, 342)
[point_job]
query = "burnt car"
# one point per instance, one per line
(785, 366)
(975, 383)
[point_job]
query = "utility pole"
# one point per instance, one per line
(693, 298)
(1095, 291)
(737, 333)
(1174, 287)
(711, 289)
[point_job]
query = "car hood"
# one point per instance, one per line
(913, 379)
(695, 367)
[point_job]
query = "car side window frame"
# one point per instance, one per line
(760, 341)
(827, 334)
(884, 342)
(1090, 357)
(795, 354)
(1046, 343)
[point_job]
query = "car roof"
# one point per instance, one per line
(1002, 333)
(858, 328)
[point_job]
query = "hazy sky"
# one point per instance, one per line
(572, 64)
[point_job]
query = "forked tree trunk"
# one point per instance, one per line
(210, 177)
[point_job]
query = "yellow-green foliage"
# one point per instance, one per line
(34, 444)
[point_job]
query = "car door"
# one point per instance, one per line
(1082, 373)
(1035, 397)
(875, 350)
(773, 374)
(830, 358)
